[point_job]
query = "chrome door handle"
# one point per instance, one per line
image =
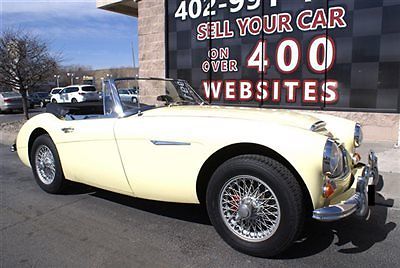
(68, 129)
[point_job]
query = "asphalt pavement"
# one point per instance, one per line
(15, 116)
(88, 227)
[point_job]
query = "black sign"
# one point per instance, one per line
(334, 55)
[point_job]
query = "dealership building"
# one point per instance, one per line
(340, 57)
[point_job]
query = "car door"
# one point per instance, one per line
(64, 95)
(89, 154)
(160, 162)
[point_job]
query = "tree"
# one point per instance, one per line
(25, 61)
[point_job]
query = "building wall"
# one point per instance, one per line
(152, 62)
(151, 42)
(364, 57)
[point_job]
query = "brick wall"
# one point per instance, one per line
(151, 43)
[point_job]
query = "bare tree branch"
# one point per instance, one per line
(25, 61)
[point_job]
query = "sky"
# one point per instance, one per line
(83, 34)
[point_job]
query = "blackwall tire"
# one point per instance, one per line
(282, 193)
(74, 100)
(44, 161)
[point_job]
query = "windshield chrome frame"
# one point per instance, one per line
(116, 100)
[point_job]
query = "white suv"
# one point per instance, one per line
(76, 93)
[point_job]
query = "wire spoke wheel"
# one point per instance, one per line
(45, 164)
(249, 208)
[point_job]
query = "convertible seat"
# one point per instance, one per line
(60, 110)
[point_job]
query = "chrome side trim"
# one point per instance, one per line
(170, 143)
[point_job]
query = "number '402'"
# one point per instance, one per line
(320, 55)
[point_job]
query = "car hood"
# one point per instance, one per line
(283, 117)
(332, 126)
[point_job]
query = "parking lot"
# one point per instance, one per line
(15, 116)
(88, 227)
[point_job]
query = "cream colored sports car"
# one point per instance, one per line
(260, 172)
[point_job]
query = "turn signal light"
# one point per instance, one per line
(328, 189)
(356, 158)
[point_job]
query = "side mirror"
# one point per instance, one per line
(165, 98)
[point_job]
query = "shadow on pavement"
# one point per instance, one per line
(186, 212)
(353, 235)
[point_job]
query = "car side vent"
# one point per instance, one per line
(318, 126)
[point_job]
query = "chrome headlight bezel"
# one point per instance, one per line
(333, 165)
(358, 135)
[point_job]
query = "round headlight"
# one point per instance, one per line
(332, 164)
(358, 135)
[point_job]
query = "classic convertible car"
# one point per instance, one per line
(260, 172)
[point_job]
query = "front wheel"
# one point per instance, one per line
(255, 204)
(46, 165)
(74, 100)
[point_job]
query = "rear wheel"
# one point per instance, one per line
(74, 100)
(255, 204)
(46, 165)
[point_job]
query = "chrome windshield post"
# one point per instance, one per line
(112, 104)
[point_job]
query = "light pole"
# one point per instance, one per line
(102, 84)
(72, 77)
(57, 77)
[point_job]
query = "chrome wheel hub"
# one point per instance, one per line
(45, 164)
(249, 208)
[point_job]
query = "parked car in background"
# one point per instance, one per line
(39, 98)
(128, 95)
(76, 93)
(10, 101)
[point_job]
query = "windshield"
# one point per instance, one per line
(42, 94)
(89, 88)
(140, 94)
(10, 94)
(56, 91)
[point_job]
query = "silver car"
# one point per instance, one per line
(128, 95)
(10, 101)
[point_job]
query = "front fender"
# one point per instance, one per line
(45, 121)
(303, 149)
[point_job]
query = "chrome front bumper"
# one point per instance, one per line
(358, 203)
